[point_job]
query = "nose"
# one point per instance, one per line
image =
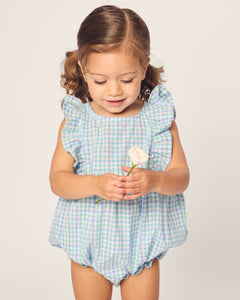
(114, 89)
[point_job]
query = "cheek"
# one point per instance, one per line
(135, 90)
(94, 91)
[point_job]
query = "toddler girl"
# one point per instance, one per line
(115, 99)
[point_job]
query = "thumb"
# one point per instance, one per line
(125, 168)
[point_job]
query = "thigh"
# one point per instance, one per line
(88, 284)
(143, 286)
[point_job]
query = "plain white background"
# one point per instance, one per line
(199, 43)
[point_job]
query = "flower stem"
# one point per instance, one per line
(99, 201)
(133, 166)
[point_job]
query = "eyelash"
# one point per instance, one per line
(102, 82)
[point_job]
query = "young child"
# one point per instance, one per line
(115, 100)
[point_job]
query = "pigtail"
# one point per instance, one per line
(72, 79)
(152, 79)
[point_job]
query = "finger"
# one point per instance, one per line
(135, 170)
(128, 178)
(131, 197)
(127, 169)
(130, 187)
(130, 183)
(131, 191)
(118, 196)
(119, 180)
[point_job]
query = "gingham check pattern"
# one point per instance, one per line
(119, 238)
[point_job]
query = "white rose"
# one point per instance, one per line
(137, 155)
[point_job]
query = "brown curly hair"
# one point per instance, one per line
(107, 29)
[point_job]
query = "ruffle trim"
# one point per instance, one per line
(74, 113)
(147, 264)
(163, 109)
(163, 113)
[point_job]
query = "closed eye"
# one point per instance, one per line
(128, 81)
(102, 82)
(99, 82)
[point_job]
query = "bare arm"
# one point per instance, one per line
(63, 181)
(176, 177)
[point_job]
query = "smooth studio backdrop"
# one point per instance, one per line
(199, 43)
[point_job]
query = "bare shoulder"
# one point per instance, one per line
(178, 155)
(61, 160)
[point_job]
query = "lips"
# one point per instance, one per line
(115, 102)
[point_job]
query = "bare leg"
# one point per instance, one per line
(88, 284)
(144, 286)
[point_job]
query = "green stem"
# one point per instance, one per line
(99, 201)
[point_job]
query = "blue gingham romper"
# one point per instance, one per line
(119, 238)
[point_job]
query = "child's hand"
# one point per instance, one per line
(106, 187)
(140, 182)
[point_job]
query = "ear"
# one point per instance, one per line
(145, 69)
(80, 65)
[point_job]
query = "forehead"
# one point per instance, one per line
(112, 63)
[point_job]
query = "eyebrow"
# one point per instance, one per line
(105, 75)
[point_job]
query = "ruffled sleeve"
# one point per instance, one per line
(74, 114)
(163, 113)
(163, 109)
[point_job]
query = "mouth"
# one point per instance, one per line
(115, 102)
